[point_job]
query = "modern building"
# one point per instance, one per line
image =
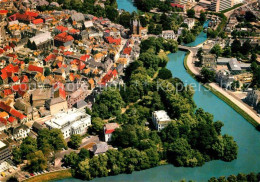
(74, 121)
(108, 130)
(220, 5)
(5, 152)
(160, 119)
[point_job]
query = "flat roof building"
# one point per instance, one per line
(160, 119)
(74, 121)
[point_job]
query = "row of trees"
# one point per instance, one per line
(37, 151)
(252, 177)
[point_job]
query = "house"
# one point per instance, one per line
(5, 152)
(74, 121)
(225, 78)
(20, 132)
(108, 130)
(39, 96)
(160, 119)
(253, 99)
(100, 148)
(63, 39)
(56, 105)
(168, 34)
(209, 61)
(190, 22)
(78, 95)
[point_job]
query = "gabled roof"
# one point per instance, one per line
(63, 37)
(35, 68)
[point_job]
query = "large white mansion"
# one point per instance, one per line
(74, 121)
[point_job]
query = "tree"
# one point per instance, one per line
(108, 103)
(97, 125)
(202, 18)
(28, 146)
(17, 155)
(12, 179)
(250, 17)
(124, 19)
(208, 75)
(164, 73)
(230, 151)
(191, 13)
(218, 125)
(246, 47)
(112, 13)
(36, 162)
(75, 141)
(236, 46)
(216, 49)
(70, 160)
(47, 71)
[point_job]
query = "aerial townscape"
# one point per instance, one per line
(142, 90)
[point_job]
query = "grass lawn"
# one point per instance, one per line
(51, 176)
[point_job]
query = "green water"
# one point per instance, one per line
(246, 136)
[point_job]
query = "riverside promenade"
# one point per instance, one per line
(191, 66)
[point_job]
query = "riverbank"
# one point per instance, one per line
(57, 175)
(233, 102)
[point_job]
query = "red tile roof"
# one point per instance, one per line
(127, 50)
(21, 87)
(61, 28)
(49, 57)
(112, 40)
(35, 68)
(11, 119)
(177, 5)
(3, 11)
(7, 92)
(109, 131)
(37, 21)
(24, 79)
(63, 37)
(84, 57)
(15, 78)
(3, 120)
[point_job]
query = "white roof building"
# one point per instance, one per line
(41, 38)
(74, 121)
(160, 119)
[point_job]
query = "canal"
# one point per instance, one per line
(246, 136)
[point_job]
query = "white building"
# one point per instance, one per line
(74, 121)
(168, 34)
(190, 22)
(20, 132)
(160, 119)
(108, 130)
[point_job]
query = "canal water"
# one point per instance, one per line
(127, 5)
(246, 136)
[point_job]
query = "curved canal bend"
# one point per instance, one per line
(246, 136)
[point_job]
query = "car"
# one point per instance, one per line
(45, 171)
(31, 174)
(258, 115)
(27, 176)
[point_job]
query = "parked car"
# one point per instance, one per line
(27, 176)
(31, 174)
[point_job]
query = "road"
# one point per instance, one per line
(238, 102)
